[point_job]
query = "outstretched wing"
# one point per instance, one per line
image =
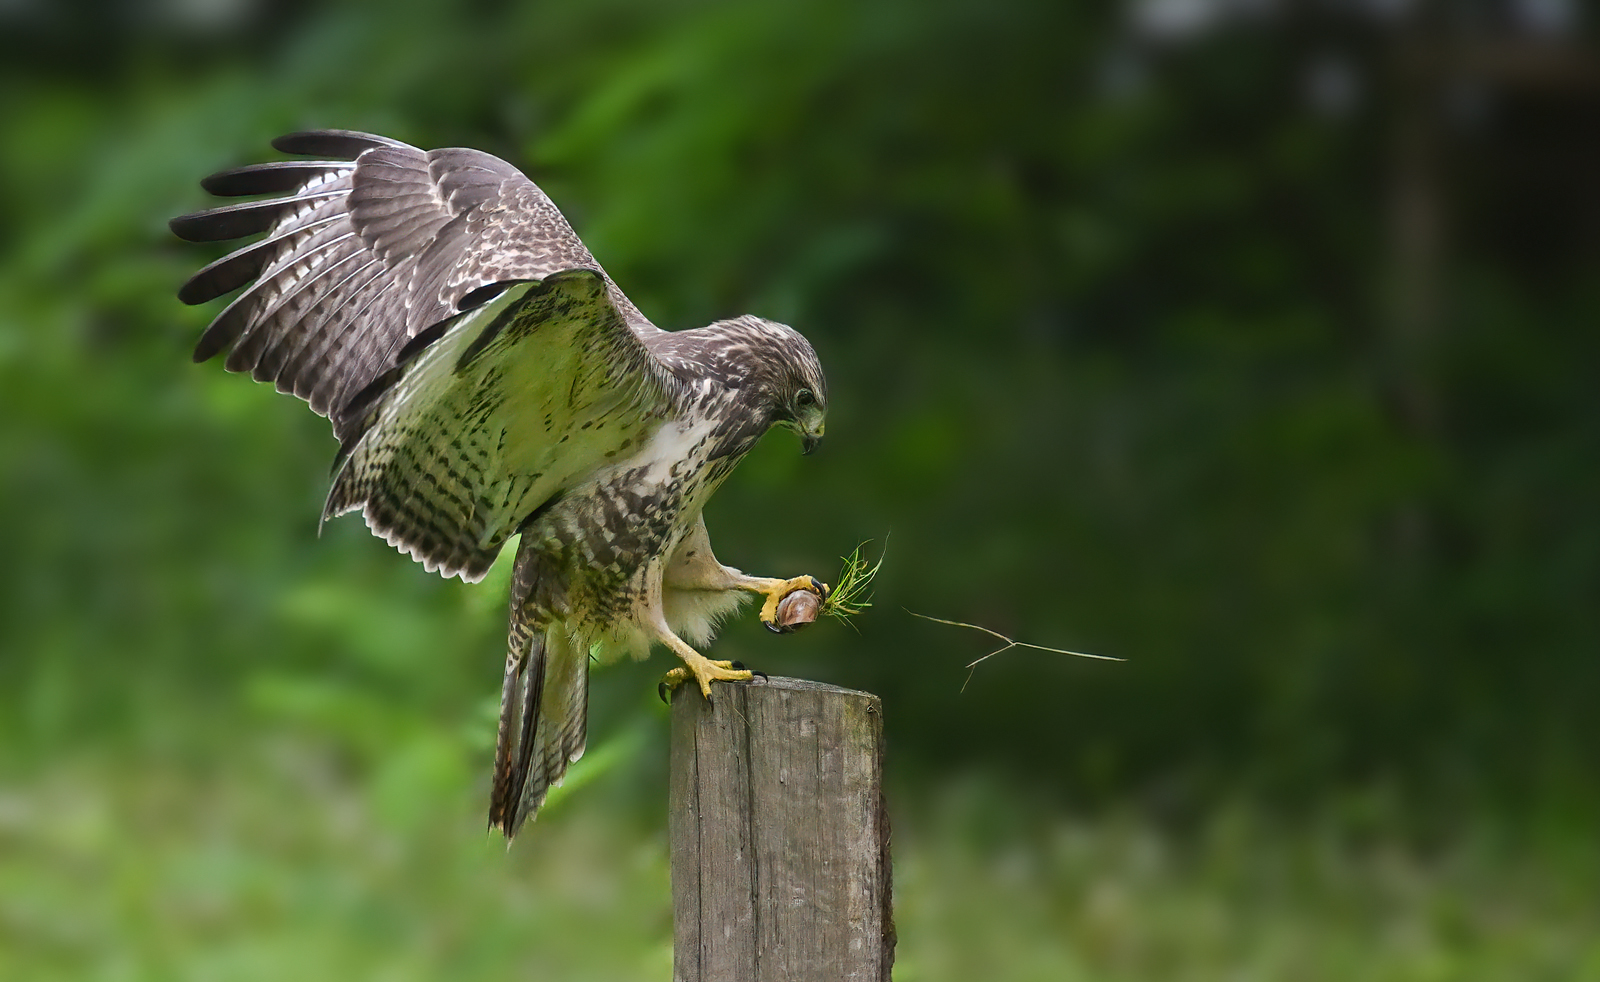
(368, 249)
(493, 413)
(474, 359)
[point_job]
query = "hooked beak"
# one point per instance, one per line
(809, 441)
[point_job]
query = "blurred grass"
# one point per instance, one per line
(282, 865)
(282, 861)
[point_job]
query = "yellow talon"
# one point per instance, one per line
(704, 671)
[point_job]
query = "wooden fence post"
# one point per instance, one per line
(779, 835)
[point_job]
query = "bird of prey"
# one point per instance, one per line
(485, 378)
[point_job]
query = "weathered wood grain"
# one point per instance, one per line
(779, 835)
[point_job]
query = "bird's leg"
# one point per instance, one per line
(770, 587)
(698, 667)
(693, 568)
(695, 665)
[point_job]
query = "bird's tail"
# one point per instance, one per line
(544, 720)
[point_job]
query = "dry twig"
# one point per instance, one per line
(972, 666)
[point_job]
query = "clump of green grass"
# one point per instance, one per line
(852, 593)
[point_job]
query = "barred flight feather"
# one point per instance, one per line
(273, 178)
(364, 253)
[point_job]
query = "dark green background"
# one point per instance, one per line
(1135, 347)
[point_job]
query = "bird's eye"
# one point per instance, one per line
(804, 398)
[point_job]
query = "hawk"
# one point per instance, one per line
(485, 378)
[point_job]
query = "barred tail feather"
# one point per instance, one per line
(544, 720)
(520, 691)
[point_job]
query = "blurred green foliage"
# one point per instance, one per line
(1112, 360)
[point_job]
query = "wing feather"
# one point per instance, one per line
(241, 266)
(282, 318)
(509, 405)
(342, 144)
(299, 252)
(320, 317)
(272, 178)
(374, 242)
(236, 221)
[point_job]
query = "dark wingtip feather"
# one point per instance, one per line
(272, 178)
(341, 144)
(237, 221)
(217, 224)
(230, 221)
(226, 274)
(181, 226)
(204, 286)
(211, 343)
(223, 330)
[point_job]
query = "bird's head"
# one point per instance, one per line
(801, 393)
(809, 417)
(772, 367)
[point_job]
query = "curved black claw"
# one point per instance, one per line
(742, 667)
(670, 683)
